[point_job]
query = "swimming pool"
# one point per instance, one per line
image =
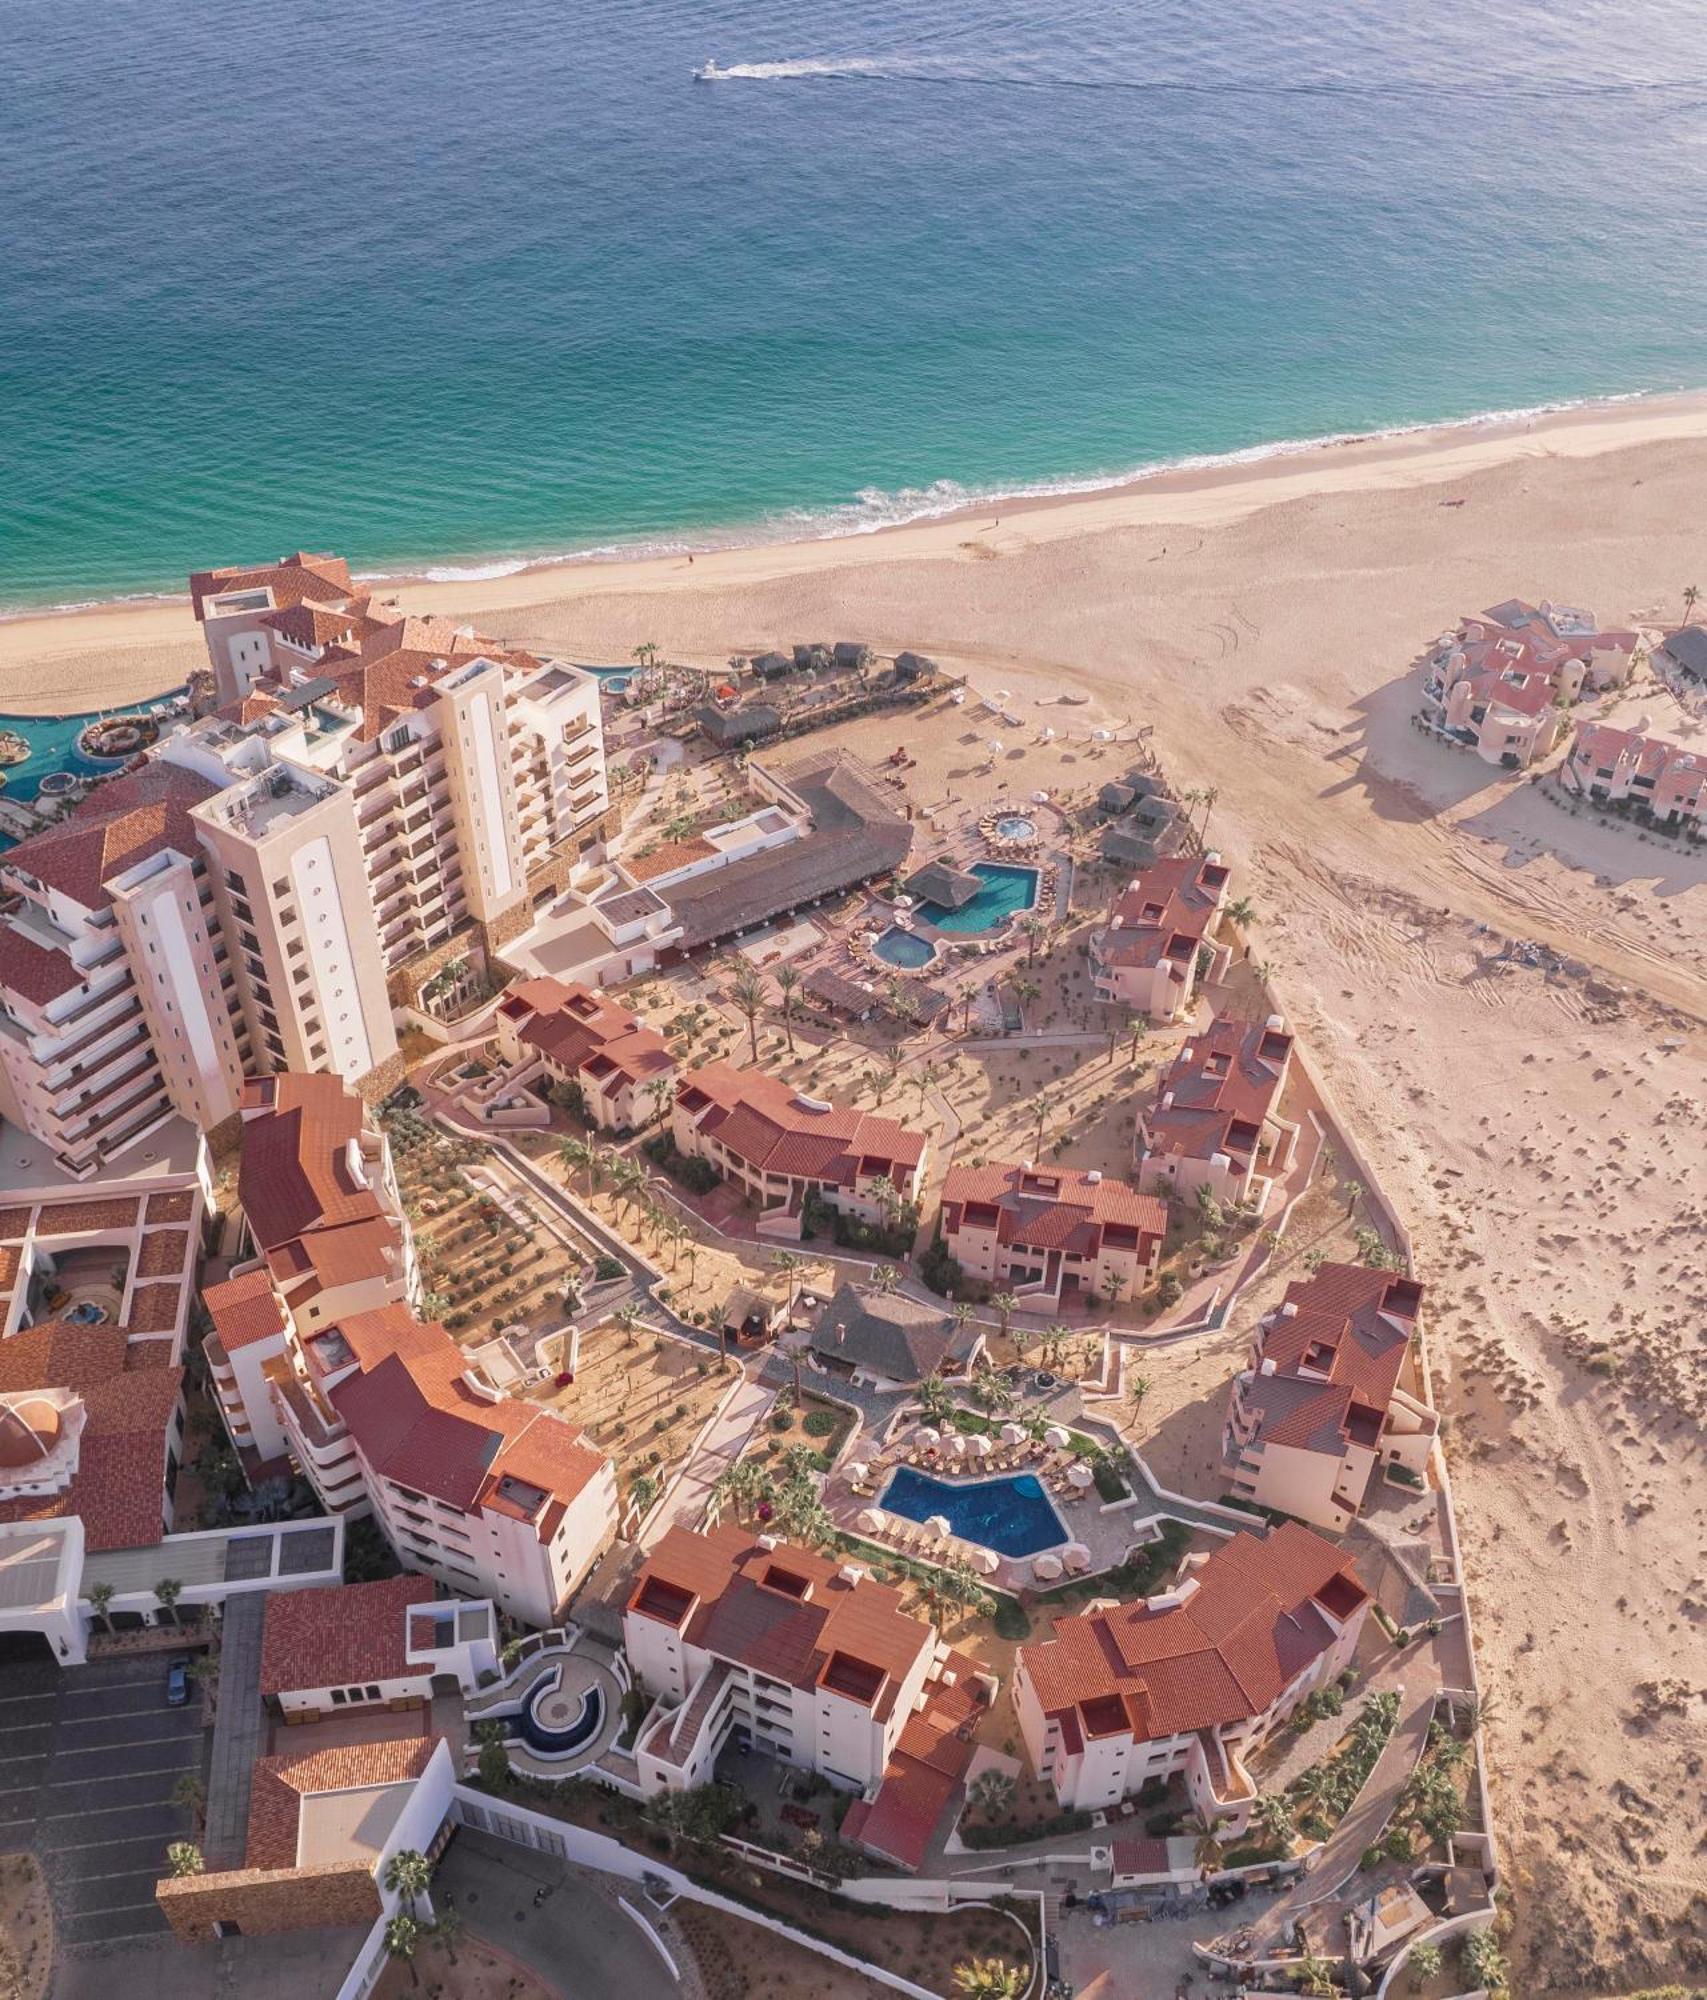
(52, 744)
(899, 947)
(1012, 1515)
(1006, 891)
(1016, 826)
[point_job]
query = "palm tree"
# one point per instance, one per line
(1314, 1974)
(1353, 1192)
(1207, 798)
(1140, 1028)
(1423, 1962)
(402, 1940)
(642, 1491)
(1241, 911)
(990, 1792)
(661, 1090)
(1113, 1285)
(787, 985)
(646, 652)
(1207, 1853)
(1026, 990)
(100, 1599)
(1045, 1103)
(1272, 1817)
(630, 1318)
(1006, 1306)
(989, 1979)
(1034, 928)
(409, 1874)
(884, 1279)
(792, 1265)
(963, 1313)
(582, 1156)
(927, 1079)
(1690, 598)
(448, 1929)
(747, 996)
(189, 1794)
(1137, 1388)
(184, 1857)
(936, 1399)
(168, 1590)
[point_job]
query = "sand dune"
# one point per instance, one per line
(1544, 1132)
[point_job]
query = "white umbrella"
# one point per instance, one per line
(1076, 1556)
(986, 1561)
(1046, 1568)
(1080, 1474)
(1102, 735)
(903, 902)
(1056, 1436)
(995, 746)
(1012, 1434)
(873, 1520)
(928, 1434)
(1048, 737)
(981, 1447)
(1040, 798)
(859, 1470)
(957, 1445)
(1002, 696)
(938, 1525)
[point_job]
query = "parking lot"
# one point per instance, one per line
(88, 1760)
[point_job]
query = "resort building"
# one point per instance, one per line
(1158, 947)
(119, 998)
(1504, 682)
(246, 614)
(1683, 653)
(1333, 1391)
(1214, 1124)
(368, 1646)
(625, 1071)
(1052, 1235)
(887, 1341)
(782, 1651)
(1189, 1682)
(1662, 780)
(779, 1145)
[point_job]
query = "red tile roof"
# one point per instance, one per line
(345, 1635)
(119, 1487)
(244, 1310)
(1165, 913)
(278, 1785)
(121, 823)
(1049, 1208)
(784, 1612)
(34, 972)
(929, 1763)
(1218, 1090)
(1251, 1626)
(295, 579)
(765, 1123)
(585, 1032)
(418, 1419)
(1337, 1358)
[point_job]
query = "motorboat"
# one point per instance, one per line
(708, 72)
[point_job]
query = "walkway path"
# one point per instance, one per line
(238, 1730)
(685, 1503)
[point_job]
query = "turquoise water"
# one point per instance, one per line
(899, 947)
(1007, 891)
(456, 285)
(1012, 1515)
(53, 747)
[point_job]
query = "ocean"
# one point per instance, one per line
(448, 286)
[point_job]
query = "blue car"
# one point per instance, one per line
(177, 1684)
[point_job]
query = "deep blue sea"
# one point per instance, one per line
(452, 284)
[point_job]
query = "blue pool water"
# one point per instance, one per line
(1015, 826)
(899, 947)
(53, 746)
(1006, 890)
(1012, 1515)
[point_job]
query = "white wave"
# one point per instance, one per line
(477, 572)
(776, 72)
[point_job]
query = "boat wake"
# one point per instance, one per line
(790, 72)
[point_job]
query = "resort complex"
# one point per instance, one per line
(625, 1285)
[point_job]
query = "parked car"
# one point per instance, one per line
(177, 1683)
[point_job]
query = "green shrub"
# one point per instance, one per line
(819, 1423)
(607, 1268)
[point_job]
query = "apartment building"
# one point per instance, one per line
(751, 1640)
(119, 998)
(1325, 1399)
(1215, 1122)
(1622, 766)
(368, 1646)
(778, 1144)
(1158, 946)
(1189, 1682)
(625, 1071)
(1503, 683)
(1052, 1235)
(244, 613)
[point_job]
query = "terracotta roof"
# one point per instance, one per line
(294, 579)
(345, 1635)
(116, 826)
(418, 1419)
(393, 667)
(1337, 1357)
(71, 1218)
(665, 858)
(1218, 1090)
(278, 1785)
(170, 1205)
(929, 1763)
(1246, 1632)
(34, 972)
(294, 1177)
(162, 1253)
(764, 1122)
(784, 1612)
(583, 1031)
(244, 1310)
(118, 1490)
(1049, 1208)
(1165, 913)
(155, 1308)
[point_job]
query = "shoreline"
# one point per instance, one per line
(1191, 494)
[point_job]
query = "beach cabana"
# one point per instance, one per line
(942, 883)
(1046, 1568)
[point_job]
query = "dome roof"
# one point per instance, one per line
(28, 1433)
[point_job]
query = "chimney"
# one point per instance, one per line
(841, 1333)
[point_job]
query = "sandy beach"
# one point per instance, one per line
(1544, 1133)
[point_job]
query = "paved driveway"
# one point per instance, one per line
(88, 1759)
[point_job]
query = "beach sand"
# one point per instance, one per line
(1544, 1134)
